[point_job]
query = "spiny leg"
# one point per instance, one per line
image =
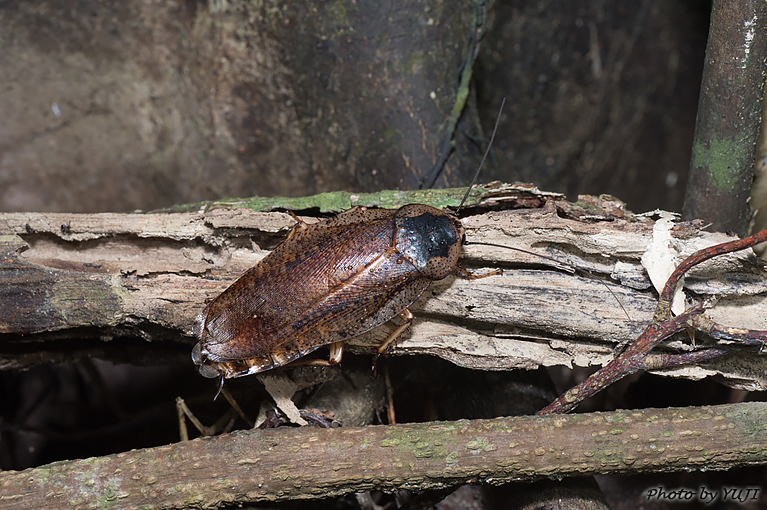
(407, 316)
(232, 402)
(336, 353)
(224, 424)
(300, 225)
(472, 276)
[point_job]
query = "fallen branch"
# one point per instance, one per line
(635, 357)
(70, 282)
(307, 463)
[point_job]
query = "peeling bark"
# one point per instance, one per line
(74, 280)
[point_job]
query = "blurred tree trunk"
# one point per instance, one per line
(366, 87)
(138, 105)
(155, 104)
(729, 113)
(601, 95)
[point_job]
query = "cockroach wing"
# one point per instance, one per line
(327, 282)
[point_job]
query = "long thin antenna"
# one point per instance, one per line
(562, 265)
(558, 263)
(484, 157)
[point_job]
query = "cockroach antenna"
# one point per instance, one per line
(220, 387)
(484, 157)
(567, 267)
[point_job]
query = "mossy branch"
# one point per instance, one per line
(308, 463)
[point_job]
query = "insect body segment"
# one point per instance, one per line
(431, 242)
(326, 283)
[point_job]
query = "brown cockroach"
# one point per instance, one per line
(326, 283)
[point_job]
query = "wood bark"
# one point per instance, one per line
(72, 282)
(307, 463)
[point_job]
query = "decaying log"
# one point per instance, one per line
(308, 463)
(69, 282)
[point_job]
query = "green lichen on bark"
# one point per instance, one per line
(716, 159)
(338, 201)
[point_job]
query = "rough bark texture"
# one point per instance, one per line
(722, 166)
(758, 200)
(305, 463)
(124, 104)
(78, 280)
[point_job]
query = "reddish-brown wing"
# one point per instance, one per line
(331, 281)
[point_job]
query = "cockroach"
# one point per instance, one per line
(326, 283)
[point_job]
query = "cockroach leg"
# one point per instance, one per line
(232, 402)
(407, 316)
(336, 353)
(390, 414)
(300, 224)
(298, 227)
(473, 276)
(224, 424)
(298, 220)
(182, 410)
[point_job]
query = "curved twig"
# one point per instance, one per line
(635, 357)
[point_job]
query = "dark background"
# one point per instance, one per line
(115, 106)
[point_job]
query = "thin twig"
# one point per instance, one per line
(635, 357)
